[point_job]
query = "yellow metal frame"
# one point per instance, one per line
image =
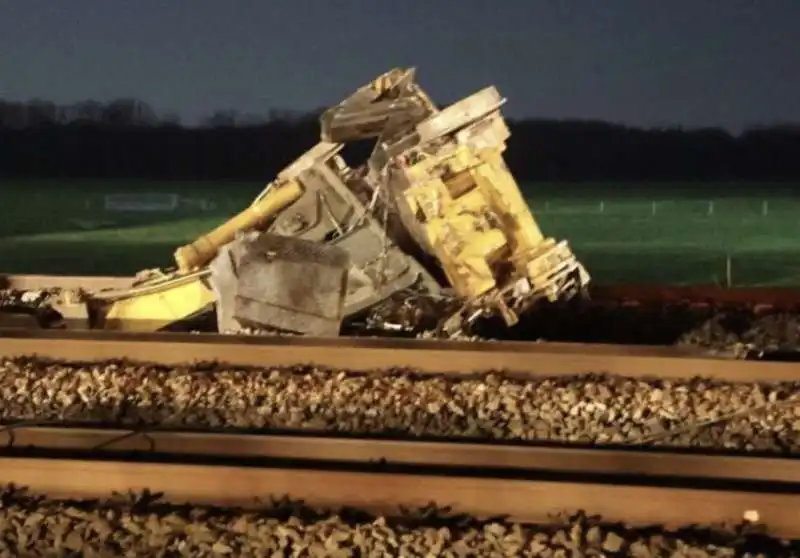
(473, 214)
(159, 306)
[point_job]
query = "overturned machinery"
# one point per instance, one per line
(433, 217)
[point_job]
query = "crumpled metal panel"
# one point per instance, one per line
(268, 281)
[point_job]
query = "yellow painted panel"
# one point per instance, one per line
(151, 311)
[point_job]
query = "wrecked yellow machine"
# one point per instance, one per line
(433, 214)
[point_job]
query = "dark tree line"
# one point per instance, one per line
(127, 139)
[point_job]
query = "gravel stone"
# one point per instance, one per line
(770, 332)
(583, 409)
(140, 525)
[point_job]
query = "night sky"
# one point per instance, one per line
(643, 62)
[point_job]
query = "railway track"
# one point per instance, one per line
(497, 391)
(465, 455)
(534, 494)
(526, 484)
(783, 298)
(524, 360)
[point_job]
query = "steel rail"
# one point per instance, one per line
(453, 453)
(529, 501)
(424, 356)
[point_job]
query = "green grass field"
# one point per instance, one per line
(679, 234)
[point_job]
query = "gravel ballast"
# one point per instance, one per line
(583, 409)
(771, 332)
(138, 525)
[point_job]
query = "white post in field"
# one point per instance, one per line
(729, 271)
(765, 207)
(655, 204)
(602, 207)
(711, 207)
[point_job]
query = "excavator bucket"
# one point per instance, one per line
(282, 284)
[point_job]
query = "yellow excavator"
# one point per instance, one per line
(433, 212)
